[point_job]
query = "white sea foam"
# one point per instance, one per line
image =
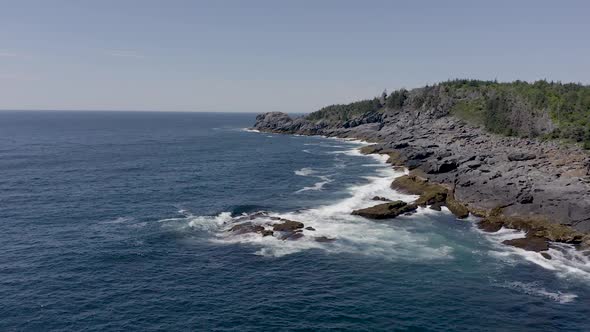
(388, 240)
(350, 152)
(324, 145)
(566, 260)
(535, 289)
(353, 234)
(118, 220)
(318, 185)
(250, 130)
(306, 171)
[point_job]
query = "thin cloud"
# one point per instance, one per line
(17, 77)
(125, 54)
(6, 54)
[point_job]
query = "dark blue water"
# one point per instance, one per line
(118, 221)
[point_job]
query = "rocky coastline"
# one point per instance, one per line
(540, 187)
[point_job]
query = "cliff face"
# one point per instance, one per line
(521, 176)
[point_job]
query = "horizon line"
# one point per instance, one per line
(117, 110)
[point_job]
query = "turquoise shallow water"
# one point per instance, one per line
(115, 221)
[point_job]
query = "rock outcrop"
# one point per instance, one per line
(265, 225)
(527, 178)
(385, 210)
(532, 243)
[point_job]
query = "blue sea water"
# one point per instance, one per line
(118, 221)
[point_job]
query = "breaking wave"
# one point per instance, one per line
(351, 234)
(306, 171)
(250, 130)
(566, 260)
(391, 240)
(535, 289)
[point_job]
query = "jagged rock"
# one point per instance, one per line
(429, 193)
(396, 158)
(379, 198)
(371, 149)
(559, 180)
(444, 154)
(534, 227)
(323, 239)
(259, 214)
(473, 164)
(419, 155)
(287, 226)
(246, 227)
(413, 164)
(267, 232)
(440, 166)
(385, 211)
(526, 198)
(521, 156)
(400, 145)
(436, 206)
(489, 225)
(458, 209)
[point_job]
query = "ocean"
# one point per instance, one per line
(117, 221)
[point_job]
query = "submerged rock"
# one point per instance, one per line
(386, 210)
(309, 228)
(292, 236)
(323, 239)
(267, 232)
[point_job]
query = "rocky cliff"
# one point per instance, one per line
(490, 174)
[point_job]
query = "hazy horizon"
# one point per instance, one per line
(268, 56)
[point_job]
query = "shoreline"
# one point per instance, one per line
(563, 259)
(541, 230)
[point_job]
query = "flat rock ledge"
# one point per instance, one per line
(386, 210)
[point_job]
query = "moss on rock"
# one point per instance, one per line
(396, 158)
(411, 184)
(369, 149)
(458, 209)
(534, 226)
